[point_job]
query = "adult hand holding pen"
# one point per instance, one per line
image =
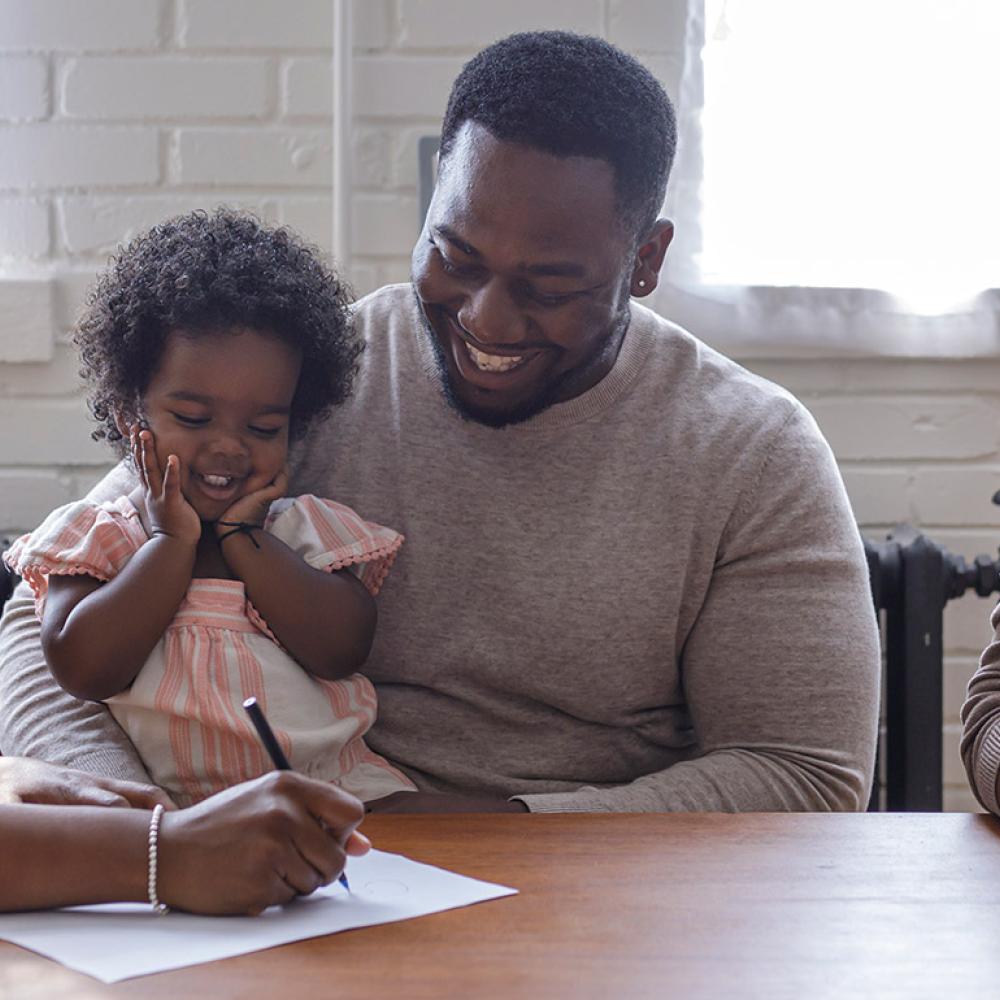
(255, 845)
(258, 844)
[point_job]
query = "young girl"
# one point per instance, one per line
(209, 345)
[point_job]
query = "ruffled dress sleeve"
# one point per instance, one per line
(80, 539)
(330, 536)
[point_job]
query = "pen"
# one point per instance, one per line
(275, 752)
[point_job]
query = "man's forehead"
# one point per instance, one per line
(552, 203)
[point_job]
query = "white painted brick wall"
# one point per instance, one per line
(24, 88)
(144, 88)
(440, 24)
(79, 25)
(117, 113)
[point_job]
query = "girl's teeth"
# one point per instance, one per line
(218, 480)
(492, 362)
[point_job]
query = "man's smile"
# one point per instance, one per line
(498, 369)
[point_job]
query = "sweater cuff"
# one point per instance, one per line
(561, 802)
(987, 767)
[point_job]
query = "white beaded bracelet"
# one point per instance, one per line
(154, 833)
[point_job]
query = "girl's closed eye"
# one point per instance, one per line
(190, 421)
(266, 432)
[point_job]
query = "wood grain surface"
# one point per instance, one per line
(705, 906)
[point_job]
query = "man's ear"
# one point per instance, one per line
(649, 258)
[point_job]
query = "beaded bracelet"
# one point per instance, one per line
(154, 832)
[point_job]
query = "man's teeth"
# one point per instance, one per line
(492, 362)
(217, 480)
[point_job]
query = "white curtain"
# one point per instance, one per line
(837, 184)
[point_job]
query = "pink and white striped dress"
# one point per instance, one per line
(184, 711)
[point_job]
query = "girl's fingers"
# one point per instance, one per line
(280, 483)
(171, 478)
(137, 457)
(150, 464)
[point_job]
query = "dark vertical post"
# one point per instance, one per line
(913, 667)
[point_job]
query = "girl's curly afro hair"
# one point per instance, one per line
(206, 273)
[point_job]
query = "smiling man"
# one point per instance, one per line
(632, 579)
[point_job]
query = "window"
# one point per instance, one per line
(842, 155)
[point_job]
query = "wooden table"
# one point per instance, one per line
(709, 906)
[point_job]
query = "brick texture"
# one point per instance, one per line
(147, 88)
(24, 88)
(26, 331)
(437, 24)
(78, 26)
(56, 156)
(24, 228)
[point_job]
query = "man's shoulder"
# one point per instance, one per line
(707, 385)
(388, 303)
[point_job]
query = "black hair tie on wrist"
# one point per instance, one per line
(241, 528)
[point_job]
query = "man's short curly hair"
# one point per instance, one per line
(210, 272)
(573, 95)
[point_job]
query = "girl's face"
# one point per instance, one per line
(221, 402)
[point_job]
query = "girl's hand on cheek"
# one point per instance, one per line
(253, 508)
(169, 512)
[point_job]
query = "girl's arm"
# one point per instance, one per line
(326, 621)
(96, 636)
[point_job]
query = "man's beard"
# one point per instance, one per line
(559, 390)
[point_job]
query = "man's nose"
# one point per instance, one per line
(491, 315)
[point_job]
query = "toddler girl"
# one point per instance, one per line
(209, 344)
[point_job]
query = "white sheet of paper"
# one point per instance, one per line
(122, 940)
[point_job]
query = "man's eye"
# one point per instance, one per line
(266, 432)
(550, 301)
(456, 270)
(190, 421)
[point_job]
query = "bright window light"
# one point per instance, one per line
(853, 144)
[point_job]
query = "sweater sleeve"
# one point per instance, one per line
(781, 668)
(39, 719)
(981, 723)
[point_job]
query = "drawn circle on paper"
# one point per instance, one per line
(386, 888)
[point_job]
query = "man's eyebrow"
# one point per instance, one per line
(453, 238)
(555, 269)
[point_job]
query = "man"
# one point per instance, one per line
(632, 580)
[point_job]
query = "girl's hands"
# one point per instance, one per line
(169, 512)
(253, 508)
(258, 844)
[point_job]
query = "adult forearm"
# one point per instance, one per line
(761, 780)
(39, 719)
(57, 856)
(97, 648)
(326, 621)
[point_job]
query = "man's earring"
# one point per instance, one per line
(642, 284)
